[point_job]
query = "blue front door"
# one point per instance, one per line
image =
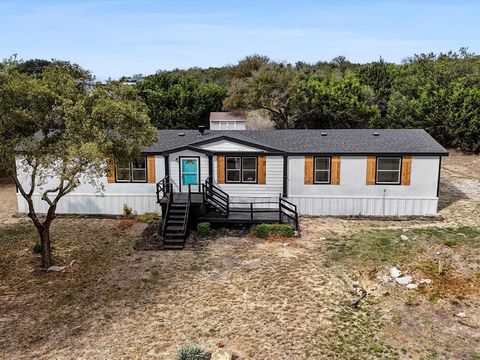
(188, 173)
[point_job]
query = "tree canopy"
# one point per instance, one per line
(57, 126)
(179, 101)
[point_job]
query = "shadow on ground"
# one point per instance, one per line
(449, 194)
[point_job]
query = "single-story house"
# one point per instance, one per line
(368, 172)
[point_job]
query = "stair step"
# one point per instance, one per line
(177, 211)
(174, 227)
(173, 241)
(174, 206)
(173, 235)
(176, 217)
(175, 221)
(173, 247)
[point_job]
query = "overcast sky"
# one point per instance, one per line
(115, 38)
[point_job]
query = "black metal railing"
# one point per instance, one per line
(187, 211)
(250, 207)
(169, 205)
(216, 196)
(163, 187)
(289, 210)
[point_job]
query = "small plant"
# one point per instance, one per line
(204, 229)
(223, 232)
(148, 217)
(450, 242)
(282, 230)
(37, 248)
(264, 230)
(127, 211)
(192, 352)
(261, 230)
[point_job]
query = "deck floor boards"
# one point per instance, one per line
(262, 215)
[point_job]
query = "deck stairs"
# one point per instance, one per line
(175, 226)
(218, 209)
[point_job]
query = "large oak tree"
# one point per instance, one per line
(60, 129)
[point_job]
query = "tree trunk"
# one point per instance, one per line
(44, 233)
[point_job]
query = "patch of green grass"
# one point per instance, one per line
(463, 235)
(377, 246)
(384, 246)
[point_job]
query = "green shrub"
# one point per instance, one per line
(264, 230)
(37, 248)
(261, 230)
(204, 229)
(192, 352)
(285, 230)
(223, 231)
(148, 217)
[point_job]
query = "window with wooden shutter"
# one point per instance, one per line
(220, 169)
(371, 169)
(151, 168)
(335, 180)
(262, 169)
(308, 169)
(406, 170)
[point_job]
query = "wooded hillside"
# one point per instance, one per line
(437, 92)
(440, 93)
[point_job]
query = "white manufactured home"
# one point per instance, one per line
(368, 172)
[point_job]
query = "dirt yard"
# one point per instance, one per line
(258, 299)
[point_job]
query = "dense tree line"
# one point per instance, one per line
(440, 93)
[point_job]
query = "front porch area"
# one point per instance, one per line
(181, 210)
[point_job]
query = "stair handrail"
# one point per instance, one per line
(187, 215)
(161, 187)
(288, 209)
(215, 191)
(169, 205)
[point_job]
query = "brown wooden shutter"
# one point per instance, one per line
(406, 169)
(262, 169)
(151, 168)
(221, 169)
(111, 170)
(371, 169)
(308, 169)
(335, 180)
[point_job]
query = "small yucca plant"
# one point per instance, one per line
(192, 352)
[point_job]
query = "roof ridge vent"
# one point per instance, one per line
(181, 134)
(376, 133)
(323, 133)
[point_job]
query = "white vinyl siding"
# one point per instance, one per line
(272, 188)
(353, 197)
(87, 199)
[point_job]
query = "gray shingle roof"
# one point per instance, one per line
(337, 141)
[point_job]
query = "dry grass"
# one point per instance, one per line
(260, 299)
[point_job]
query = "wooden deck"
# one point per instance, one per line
(266, 213)
(178, 197)
(272, 216)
